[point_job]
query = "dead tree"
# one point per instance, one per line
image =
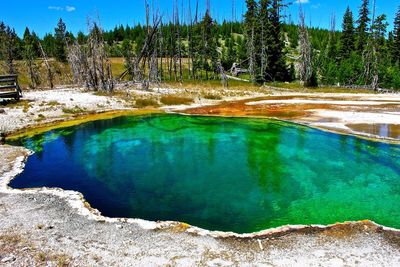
(147, 57)
(50, 74)
(29, 55)
(224, 77)
(90, 64)
(251, 52)
(306, 64)
(370, 56)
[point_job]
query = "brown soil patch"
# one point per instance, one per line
(280, 111)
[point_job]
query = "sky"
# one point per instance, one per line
(42, 15)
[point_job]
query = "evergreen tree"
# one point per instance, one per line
(347, 41)
(264, 46)
(3, 39)
(250, 20)
(60, 51)
(229, 53)
(81, 38)
(210, 43)
(48, 44)
(30, 55)
(277, 69)
(362, 29)
(241, 50)
(396, 36)
(11, 49)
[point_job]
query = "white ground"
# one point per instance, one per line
(46, 227)
(349, 109)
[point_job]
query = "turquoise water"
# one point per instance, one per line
(228, 174)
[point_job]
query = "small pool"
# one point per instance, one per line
(229, 174)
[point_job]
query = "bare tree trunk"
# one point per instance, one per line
(90, 64)
(251, 52)
(306, 68)
(50, 75)
(179, 54)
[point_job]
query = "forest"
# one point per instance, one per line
(260, 48)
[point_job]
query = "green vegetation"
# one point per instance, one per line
(362, 54)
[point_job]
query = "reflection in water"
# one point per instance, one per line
(240, 175)
(377, 129)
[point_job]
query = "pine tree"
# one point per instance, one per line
(265, 46)
(210, 43)
(250, 20)
(347, 40)
(362, 29)
(11, 49)
(277, 69)
(30, 55)
(3, 39)
(60, 52)
(396, 36)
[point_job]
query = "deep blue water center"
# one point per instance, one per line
(228, 174)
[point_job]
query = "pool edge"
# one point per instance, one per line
(78, 203)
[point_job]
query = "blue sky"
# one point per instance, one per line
(42, 15)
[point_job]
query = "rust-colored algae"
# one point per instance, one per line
(241, 108)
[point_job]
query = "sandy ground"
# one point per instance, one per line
(55, 228)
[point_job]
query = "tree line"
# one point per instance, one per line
(197, 47)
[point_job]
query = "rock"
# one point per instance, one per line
(118, 226)
(8, 259)
(2, 111)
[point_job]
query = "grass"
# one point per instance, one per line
(146, 102)
(171, 100)
(41, 256)
(74, 110)
(24, 104)
(63, 76)
(212, 96)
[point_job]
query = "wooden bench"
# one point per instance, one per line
(9, 87)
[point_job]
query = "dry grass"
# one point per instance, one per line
(146, 102)
(74, 110)
(212, 96)
(171, 100)
(24, 104)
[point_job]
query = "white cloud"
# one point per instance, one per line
(316, 6)
(58, 8)
(70, 8)
(302, 1)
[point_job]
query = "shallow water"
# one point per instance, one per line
(228, 174)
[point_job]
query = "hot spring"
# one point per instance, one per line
(229, 174)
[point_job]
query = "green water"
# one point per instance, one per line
(240, 175)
